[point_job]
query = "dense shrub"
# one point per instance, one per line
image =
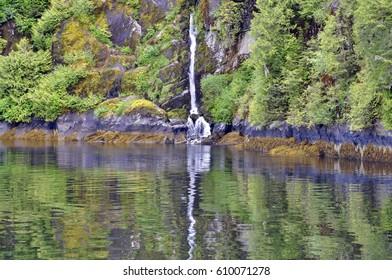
(20, 72)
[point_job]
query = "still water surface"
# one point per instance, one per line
(79, 201)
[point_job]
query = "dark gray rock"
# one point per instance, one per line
(337, 134)
(4, 127)
(178, 125)
(136, 123)
(79, 124)
(219, 130)
(125, 30)
(23, 128)
(87, 123)
(178, 101)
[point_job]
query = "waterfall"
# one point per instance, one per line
(192, 87)
(200, 128)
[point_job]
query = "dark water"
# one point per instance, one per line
(178, 202)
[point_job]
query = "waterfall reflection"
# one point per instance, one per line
(198, 161)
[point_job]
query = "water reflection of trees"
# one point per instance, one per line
(121, 203)
(304, 208)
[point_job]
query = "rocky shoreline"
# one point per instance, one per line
(279, 138)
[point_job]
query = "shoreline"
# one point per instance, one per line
(278, 139)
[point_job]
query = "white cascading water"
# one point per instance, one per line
(199, 129)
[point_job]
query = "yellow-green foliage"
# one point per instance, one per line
(76, 37)
(130, 80)
(97, 82)
(145, 108)
(3, 43)
(50, 97)
(178, 114)
(100, 29)
(20, 72)
(107, 107)
(128, 106)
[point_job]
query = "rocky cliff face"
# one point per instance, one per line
(141, 47)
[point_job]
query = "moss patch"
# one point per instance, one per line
(122, 138)
(371, 152)
(10, 134)
(71, 138)
(129, 106)
(34, 135)
(131, 81)
(144, 108)
(76, 37)
(178, 113)
(100, 82)
(232, 138)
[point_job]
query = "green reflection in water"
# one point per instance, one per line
(131, 203)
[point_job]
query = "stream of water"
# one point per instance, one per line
(200, 128)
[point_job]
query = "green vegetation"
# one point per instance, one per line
(228, 20)
(28, 88)
(24, 12)
(128, 106)
(222, 93)
(312, 63)
(20, 72)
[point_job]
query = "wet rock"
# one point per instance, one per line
(80, 125)
(206, 141)
(178, 101)
(101, 82)
(10, 34)
(125, 30)
(219, 130)
(336, 134)
(136, 123)
(4, 127)
(245, 44)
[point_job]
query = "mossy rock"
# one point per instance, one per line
(232, 138)
(122, 137)
(150, 14)
(10, 37)
(125, 30)
(76, 37)
(101, 82)
(287, 151)
(130, 81)
(178, 113)
(171, 72)
(107, 108)
(145, 108)
(205, 62)
(120, 61)
(374, 153)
